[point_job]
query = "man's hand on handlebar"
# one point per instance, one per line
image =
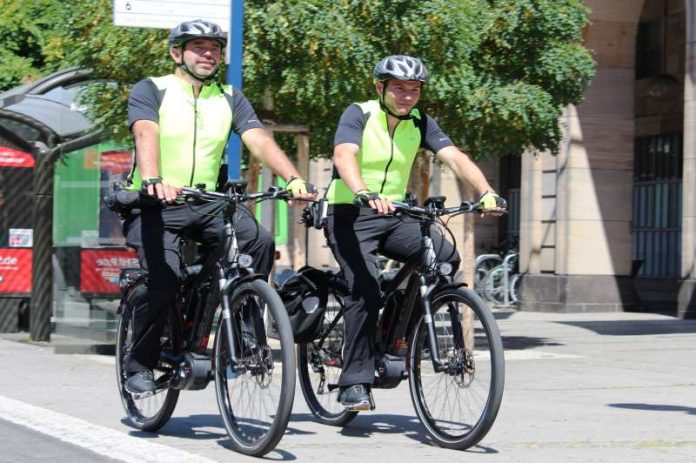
(155, 187)
(376, 201)
(491, 203)
(301, 189)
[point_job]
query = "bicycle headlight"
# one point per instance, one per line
(244, 260)
(445, 268)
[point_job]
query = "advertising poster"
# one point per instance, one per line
(15, 271)
(13, 158)
(100, 268)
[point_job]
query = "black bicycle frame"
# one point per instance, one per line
(423, 277)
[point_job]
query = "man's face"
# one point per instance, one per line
(201, 56)
(401, 95)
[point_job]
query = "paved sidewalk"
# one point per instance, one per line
(606, 387)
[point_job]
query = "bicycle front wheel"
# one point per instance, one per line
(255, 391)
(459, 403)
(152, 412)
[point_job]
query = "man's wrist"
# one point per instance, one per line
(151, 180)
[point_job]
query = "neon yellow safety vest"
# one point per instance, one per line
(385, 162)
(193, 132)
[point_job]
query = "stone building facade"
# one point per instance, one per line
(609, 223)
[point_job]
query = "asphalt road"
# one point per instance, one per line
(608, 387)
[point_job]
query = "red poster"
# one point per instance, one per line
(12, 158)
(99, 269)
(15, 270)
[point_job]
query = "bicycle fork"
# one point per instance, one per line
(425, 292)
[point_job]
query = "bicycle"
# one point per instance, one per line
(252, 361)
(438, 334)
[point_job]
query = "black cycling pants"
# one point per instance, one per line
(355, 241)
(156, 234)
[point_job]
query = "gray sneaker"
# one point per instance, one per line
(357, 397)
(141, 383)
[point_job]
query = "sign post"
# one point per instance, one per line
(234, 78)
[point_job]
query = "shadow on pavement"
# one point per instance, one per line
(636, 327)
(657, 408)
(502, 314)
(189, 427)
(274, 455)
(527, 342)
(367, 424)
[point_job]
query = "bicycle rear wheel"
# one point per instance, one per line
(255, 392)
(319, 366)
(459, 404)
(153, 412)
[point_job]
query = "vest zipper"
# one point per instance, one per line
(391, 154)
(195, 132)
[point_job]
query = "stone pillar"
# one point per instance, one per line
(687, 292)
(576, 206)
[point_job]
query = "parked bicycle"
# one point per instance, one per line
(436, 333)
(252, 361)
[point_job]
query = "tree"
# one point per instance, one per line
(502, 70)
(24, 28)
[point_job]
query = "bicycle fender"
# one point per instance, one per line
(452, 285)
(231, 285)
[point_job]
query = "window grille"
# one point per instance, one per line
(657, 202)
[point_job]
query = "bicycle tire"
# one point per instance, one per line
(254, 425)
(475, 373)
(150, 413)
(315, 361)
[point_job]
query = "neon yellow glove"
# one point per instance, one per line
(490, 201)
(296, 186)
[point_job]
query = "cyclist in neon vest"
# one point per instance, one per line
(374, 148)
(180, 124)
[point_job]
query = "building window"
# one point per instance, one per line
(510, 175)
(657, 200)
(649, 49)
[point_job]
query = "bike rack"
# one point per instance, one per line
(482, 257)
(507, 265)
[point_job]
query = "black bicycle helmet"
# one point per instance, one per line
(196, 29)
(401, 67)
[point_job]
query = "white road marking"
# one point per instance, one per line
(535, 355)
(98, 439)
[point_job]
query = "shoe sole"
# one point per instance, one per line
(140, 395)
(364, 406)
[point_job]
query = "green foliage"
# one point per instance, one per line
(502, 70)
(118, 57)
(24, 28)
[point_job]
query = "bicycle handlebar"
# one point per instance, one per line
(122, 199)
(434, 207)
(235, 196)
